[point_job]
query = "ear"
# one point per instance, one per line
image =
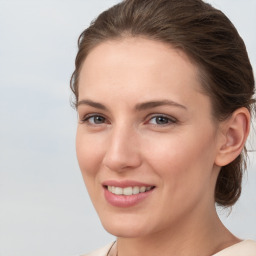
(233, 134)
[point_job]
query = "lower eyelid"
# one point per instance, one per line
(86, 119)
(170, 119)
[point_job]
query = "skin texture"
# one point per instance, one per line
(180, 156)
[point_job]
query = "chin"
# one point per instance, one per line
(125, 228)
(124, 231)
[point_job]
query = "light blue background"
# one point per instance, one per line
(44, 207)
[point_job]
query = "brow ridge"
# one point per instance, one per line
(157, 103)
(92, 104)
(138, 107)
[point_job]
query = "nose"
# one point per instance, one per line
(122, 150)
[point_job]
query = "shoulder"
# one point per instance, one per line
(100, 252)
(244, 248)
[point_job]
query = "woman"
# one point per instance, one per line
(164, 94)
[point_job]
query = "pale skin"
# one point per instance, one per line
(143, 117)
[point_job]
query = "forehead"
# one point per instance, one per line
(125, 49)
(138, 65)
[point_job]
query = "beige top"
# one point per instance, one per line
(244, 248)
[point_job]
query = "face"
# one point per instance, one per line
(146, 139)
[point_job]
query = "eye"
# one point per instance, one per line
(161, 120)
(95, 119)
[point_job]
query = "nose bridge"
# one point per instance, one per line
(123, 148)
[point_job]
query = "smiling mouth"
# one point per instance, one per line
(128, 191)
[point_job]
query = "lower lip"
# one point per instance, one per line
(125, 201)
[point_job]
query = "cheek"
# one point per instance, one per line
(183, 160)
(89, 151)
(184, 167)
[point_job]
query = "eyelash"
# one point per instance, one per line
(88, 117)
(169, 120)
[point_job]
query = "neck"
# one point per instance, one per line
(196, 235)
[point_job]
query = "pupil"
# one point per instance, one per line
(161, 120)
(98, 119)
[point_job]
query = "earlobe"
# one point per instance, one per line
(235, 131)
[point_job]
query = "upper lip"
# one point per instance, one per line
(125, 183)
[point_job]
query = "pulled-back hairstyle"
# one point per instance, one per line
(210, 40)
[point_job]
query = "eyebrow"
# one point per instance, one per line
(157, 103)
(138, 107)
(92, 104)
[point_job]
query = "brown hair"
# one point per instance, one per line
(208, 37)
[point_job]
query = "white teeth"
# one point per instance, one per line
(142, 189)
(118, 191)
(135, 190)
(128, 191)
